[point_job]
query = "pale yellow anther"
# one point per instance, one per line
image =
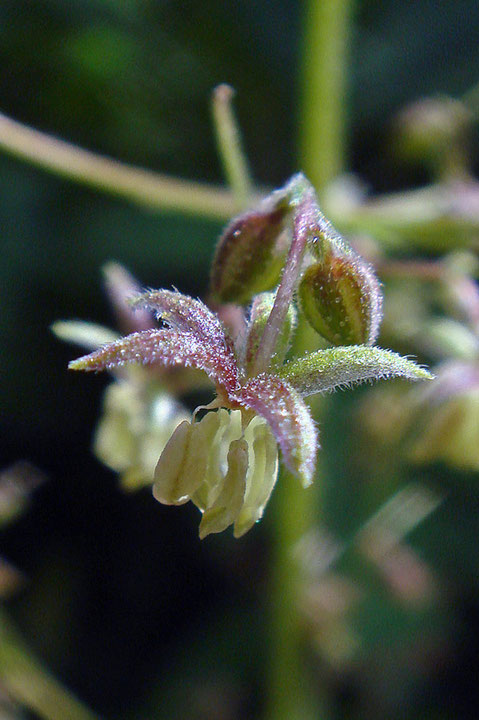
(227, 471)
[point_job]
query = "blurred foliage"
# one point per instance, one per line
(118, 596)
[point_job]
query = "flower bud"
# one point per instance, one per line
(435, 130)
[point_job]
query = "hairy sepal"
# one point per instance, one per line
(182, 313)
(339, 367)
(251, 252)
(341, 300)
(289, 419)
(259, 316)
(166, 348)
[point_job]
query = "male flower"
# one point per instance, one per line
(226, 463)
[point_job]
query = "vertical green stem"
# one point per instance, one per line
(323, 86)
(292, 693)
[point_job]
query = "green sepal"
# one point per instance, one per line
(341, 300)
(259, 316)
(341, 367)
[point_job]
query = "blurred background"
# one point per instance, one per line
(114, 592)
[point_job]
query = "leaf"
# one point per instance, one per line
(343, 366)
(163, 347)
(289, 418)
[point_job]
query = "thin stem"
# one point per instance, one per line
(230, 148)
(24, 678)
(325, 51)
(294, 693)
(138, 185)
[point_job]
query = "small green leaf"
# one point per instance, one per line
(344, 366)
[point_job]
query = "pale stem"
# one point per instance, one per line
(27, 682)
(145, 187)
(228, 138)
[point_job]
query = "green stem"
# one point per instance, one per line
(291, 692)
(230, 148)
(138, 185)
(324, 63)
(24, 678)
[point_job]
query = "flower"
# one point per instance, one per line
(226, 462)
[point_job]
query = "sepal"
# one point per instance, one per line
(289, 418)
(259, 316)
(341, 367)
(86, 334)
(167, 348)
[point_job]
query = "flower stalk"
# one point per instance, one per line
(228, 137)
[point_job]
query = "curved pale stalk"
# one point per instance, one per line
(145, 187)
(29, 683)
(228, 138)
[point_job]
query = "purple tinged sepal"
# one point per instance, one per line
(251, 252)
(289, 419)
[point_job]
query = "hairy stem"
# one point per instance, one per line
(138, 185)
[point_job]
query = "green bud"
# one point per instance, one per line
(435, 130)
(341, 300)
